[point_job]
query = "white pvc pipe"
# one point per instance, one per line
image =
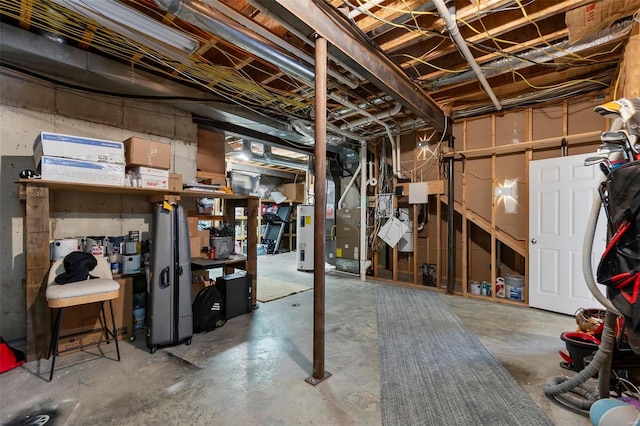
(349, 185)
(364, 262)
(395, 109)
(399, 174)
(452, 27)
(358, 10)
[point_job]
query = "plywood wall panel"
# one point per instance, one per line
(547, 122)
(479, 196)
(581, 118)
(510, 128)
(479, 254)
(479, 133)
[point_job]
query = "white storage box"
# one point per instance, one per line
(148, 177)
(150, 171)
(68, 170)
(147, 181)
(77, 148)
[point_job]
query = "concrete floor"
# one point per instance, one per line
(252, 371)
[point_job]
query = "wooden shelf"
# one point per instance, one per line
(110, 189)
(210, 217)
(37, 194)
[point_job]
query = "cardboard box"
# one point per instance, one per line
(196, 246)
(204, 237)
(211, 152)
(175, 181)
(77, 148)
(142, 152)
(192, 222)
(148, 181)
(88, 318)
(207, 178)
(150, 171)
(293, 191)
(69, 170)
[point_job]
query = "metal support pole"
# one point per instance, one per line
(451, 236)
(320, 190)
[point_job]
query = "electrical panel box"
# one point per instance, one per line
(305, 236)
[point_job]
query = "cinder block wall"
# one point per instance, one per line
(28, 107)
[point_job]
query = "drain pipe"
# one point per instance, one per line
(452, 27)
(364, 261)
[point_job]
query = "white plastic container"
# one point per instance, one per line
(475, 287)
(61, 248)
(130, 263)
(514, 285)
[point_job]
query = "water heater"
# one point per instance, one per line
(305, 236)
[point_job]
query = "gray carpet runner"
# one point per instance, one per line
(434, 371)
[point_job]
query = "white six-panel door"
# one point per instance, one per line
(561, 191)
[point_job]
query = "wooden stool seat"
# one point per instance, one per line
(81, 292)
(98, 290)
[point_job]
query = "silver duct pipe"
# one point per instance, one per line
(452, 27)
(395, 109)
(276, 160)
(545, 54)
(196, 14)
(304, 37)
(258, 29)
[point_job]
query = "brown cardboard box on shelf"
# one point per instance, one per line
(293, 191)
(142, 152)
(204, 238)
(211, 152)
(212, 178)
(196, 246)
(85, 318)
(192, 222)
(175, 181)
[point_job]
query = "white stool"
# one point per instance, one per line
(60, 296)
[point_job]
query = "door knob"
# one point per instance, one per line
(534, 241)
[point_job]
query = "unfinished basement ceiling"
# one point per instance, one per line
(247, 66)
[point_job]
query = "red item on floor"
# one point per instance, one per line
(10, 358)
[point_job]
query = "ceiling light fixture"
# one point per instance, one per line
(131, 23)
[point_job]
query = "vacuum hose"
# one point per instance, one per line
(570, 390)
